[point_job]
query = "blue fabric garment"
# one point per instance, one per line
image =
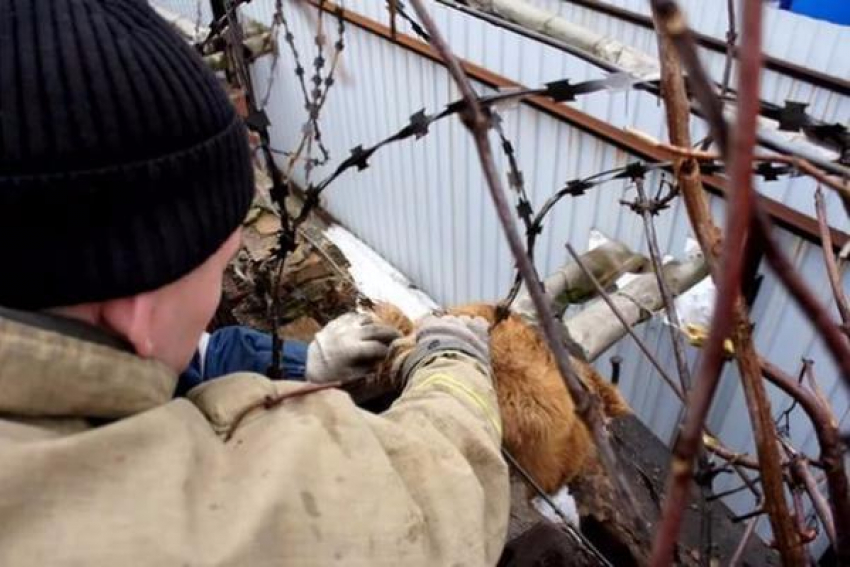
(836, 11)
(240, 349)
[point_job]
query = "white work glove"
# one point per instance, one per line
(448, 333)
(348, 347)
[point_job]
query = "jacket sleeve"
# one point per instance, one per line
(450, 403)
(456, 384)
(240, 349)
(428, 486)
(227, 477)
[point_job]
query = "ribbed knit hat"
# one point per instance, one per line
(123, 165)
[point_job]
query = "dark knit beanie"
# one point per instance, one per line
(123, 165)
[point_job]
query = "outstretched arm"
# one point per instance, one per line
(348, 346)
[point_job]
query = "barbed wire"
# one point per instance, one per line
(419, 126)
(558, 91)
(398, 7)
(420, 122)
(313, 97)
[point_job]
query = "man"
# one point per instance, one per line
(124, 176)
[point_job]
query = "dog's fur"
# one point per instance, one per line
(541, 428)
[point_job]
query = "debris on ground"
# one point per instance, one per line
(329, 273)
(314, 286)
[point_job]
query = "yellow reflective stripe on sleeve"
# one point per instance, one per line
(455, 386)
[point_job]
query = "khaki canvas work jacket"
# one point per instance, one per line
(100, 466)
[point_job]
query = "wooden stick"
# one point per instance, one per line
(729, 317)
(831, 264)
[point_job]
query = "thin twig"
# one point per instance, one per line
(807, 534)
(841, 186)
(797, 488)
(804, 476)
(756, 512)
(575, 534)
(832, 452)
(626, 326)
(270, 402)
(393, 9)
(831, 264)
(718, 495)
(745, 539)
(785, 417)
(666, 295)
(814, 385)
(715, 446)
(835, 340)
(731, 38)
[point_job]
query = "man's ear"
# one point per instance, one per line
(132, 318)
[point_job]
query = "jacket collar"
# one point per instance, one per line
(66, 326)
(53, 366)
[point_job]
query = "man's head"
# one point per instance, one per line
(164, 323)
(124, 171)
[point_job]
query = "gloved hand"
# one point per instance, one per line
(437, 334)
(348, 347)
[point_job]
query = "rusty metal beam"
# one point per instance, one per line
(782, 215)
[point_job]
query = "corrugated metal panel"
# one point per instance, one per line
(814, 44)
(527, 61)
(196, 11)
(424, 206)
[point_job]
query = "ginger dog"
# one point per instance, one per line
(541, 428)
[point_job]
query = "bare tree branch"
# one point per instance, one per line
(729, 317)
(841, 186)
(800, 471)
(736, 460)
(835, 340)
(666, 296)
(731, 38)
(832, 449)
(742, 545)
(831, 265)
